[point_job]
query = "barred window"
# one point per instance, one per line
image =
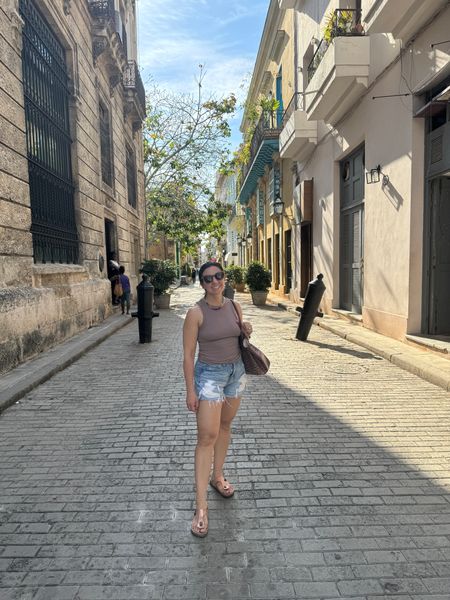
(46, 99)
(131, 177)
(106, 145)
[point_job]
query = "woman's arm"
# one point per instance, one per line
(190, 334)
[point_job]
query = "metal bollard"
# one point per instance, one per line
(145, 312)
(228, 291)
(309, 311)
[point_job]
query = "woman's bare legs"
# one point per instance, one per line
(208, 424)
(227, 414)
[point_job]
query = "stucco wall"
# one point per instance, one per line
(393, 244)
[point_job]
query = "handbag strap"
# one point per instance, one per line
(239, 318)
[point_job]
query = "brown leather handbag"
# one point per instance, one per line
(255, 361)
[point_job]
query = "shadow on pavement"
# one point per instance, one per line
(341, 470)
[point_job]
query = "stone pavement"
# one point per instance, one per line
(432, 365)
(340, 458)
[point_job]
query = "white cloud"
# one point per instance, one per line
(176, 36)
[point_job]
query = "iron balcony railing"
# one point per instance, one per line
(344, 22)
(102, 9)
(296, 103)
(104, 12)
(132, 80)
(268, 128)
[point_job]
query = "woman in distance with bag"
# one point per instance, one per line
(214, 384)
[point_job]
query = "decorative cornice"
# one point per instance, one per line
(67, 6)
(17, 24)
(99, 45)
(114, 81)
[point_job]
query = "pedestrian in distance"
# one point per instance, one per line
(214, 384)
(113, 275)
(126, 287)
(193, 274)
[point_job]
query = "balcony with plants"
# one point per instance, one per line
(298, 136)
(338, 73)
(261, 140)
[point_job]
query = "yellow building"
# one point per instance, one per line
(265, 181)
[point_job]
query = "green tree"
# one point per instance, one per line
(184, 141)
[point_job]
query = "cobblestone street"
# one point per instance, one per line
(340, 460)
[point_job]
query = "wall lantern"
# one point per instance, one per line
(249, 237)
(278, 206)
(373, 176)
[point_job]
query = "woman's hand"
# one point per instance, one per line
(192, 401)
(247, 327)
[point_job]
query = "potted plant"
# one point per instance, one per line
(339, 22)
(259, 280)
(161, 273)
(235, 276)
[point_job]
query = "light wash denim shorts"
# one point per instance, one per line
(217, 382)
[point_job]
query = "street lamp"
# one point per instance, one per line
(278, 206)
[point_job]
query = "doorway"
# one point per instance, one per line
(276, 261)
(111, 255)
(439, 257)
(288, 247)
(352, 232)
(305, 258)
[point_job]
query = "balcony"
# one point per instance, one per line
(402, 18)
(109, 38)
(134, 94)
(338, 73)
(298, 137)
(265, 142)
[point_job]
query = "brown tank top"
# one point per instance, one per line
(218, 336)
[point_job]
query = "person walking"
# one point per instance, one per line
(193, 275)
(214, 384)
(113, 276)
(126, 287)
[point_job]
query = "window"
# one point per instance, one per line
(46, 98)
(131, 177)
(105, 145)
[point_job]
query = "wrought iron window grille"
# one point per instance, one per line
(46, 99)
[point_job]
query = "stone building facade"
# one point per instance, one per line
(71, 167)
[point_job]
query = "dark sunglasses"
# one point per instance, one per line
(208, 278)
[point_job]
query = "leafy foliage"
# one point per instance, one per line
(235, 274)
(161, 273)
(257, 277)
(184, 142)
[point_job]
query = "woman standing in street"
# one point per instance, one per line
(214, 385)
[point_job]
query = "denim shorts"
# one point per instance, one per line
(217, 382)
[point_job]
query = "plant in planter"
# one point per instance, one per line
(235, 276)
(259, 280)
(339, 22)
(161, 273)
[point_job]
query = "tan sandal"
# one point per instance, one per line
(226, 490)
(199, 526)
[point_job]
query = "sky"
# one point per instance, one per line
(176, 36)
